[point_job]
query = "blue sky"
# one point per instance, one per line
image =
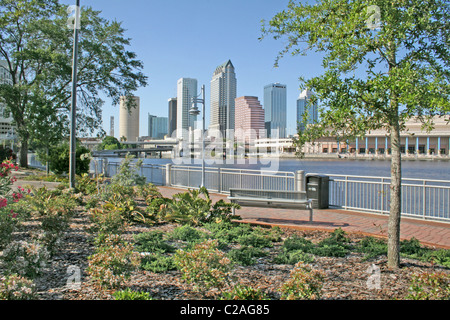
(180, 38)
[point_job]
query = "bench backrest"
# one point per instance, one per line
(268, 194)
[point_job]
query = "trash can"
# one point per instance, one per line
(317, 189)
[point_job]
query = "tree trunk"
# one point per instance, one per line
(395, 207)
(23, 152)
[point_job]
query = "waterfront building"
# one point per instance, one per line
(157, 126)
(223, 95)
(275, 110)
(307, 112)
(129, 118)
(186, 90)
(249, 119)
(172, 120)
(7, 129)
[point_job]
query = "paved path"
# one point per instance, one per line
(427, 232)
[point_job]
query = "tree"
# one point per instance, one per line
(58, 159)
(37, 46)
(109, 143)
(400, 51)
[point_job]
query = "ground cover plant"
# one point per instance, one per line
(200, 255)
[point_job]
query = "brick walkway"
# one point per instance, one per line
(427, 232)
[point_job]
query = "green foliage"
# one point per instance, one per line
(292, 257)
(246, 255)
(195, 207)
(59, 159)
(372, 247)
(129, 294)
(152, 241)
(109, 143)
(304, 283)
(188, 233)
(243, 292)
(429, 286)
(157, 262)
(204, 265)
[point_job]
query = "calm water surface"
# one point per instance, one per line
(421, 169)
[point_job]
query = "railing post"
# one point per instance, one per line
(219, 181)
(168, 174)
(424, 194)
(300, 180)
(345, 192)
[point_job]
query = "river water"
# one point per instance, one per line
(420, 169)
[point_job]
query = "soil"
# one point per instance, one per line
(346, 278)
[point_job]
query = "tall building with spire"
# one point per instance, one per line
(223, 94)
(186, 90)
(307, 113)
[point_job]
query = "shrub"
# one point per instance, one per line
(303, 283)
(24, 258)
(188, 234)
(157, 262)
(429, 286)
(152, 241)
(195, 207)
(107, 220)
(242, 292)
(112, 263)
(16, 287)
(292, 257)
(246, 255)
(8, 223)
(129, 294)
(372, 247)
(58, 158)
(204, 265)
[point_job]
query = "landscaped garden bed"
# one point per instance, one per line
(123, 240)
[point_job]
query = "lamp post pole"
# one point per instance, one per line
(194, 111)
(73, 111)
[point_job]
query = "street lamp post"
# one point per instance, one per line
(194, 111)
(76, 27)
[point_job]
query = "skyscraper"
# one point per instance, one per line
(275, 109)
(249, 119)
(303, 106)
(186, 90)
(172, 121)
(157, 126)
(129, 119)
(223, 93)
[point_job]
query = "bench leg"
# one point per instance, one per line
(310, 213)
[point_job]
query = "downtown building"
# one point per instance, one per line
(249, 120)
(157, 126)
(129, 118)
(7, 129)
(186, 91)
(275, 110)
(307, 112)
(223, 95)
(172, 119)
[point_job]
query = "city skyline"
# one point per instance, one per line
(183, 39)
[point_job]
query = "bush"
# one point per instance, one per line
(242, 292)
(157, 262)
(303, 283)
(372, 247)
(112, 263)
(188, 234)
(204, 265)
(153, 242)
(292, 257)
(16, 287)
(24, 258)
(246, 255)
(429, 286)
(59, 156)
(129, 294)
(195, 208)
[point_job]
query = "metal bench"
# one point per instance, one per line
(271, 198)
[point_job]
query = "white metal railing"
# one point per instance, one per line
(428, 199)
